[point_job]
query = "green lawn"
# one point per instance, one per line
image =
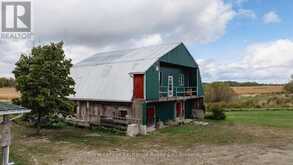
(261, 127)
(277, 119)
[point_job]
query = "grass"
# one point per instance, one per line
(277, 119)
(240, 128)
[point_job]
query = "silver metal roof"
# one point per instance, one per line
(106, 76)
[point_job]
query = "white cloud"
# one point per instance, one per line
(98, 22)
(87, 26)
(148, 40)
(246, 13)
(10, 51)
(271, 17)
(264, 62)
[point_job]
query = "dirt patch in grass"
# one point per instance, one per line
(217, 143)
(198, 154)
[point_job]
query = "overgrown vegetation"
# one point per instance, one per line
(216, 112)
(7, 82)
(43, 79)
(259, 101)
(218, 92)
(289, 86)
(244, 84)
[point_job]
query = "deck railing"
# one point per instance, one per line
(178, 91)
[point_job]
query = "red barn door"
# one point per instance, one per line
(138, 86)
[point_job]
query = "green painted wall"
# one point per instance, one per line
(166, 111)
(188, 108)
(200, 86)
(178, 56)
(152, 83)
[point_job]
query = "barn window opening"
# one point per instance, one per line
(181, 80)
(122, 113)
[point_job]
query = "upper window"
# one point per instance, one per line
(181, 79)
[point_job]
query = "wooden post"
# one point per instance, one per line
(6, 140)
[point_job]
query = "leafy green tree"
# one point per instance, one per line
(289, 86)
(43, 79)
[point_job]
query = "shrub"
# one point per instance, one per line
(218, 92)
(217, 113)
(289, 87)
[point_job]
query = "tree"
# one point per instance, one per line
(6, 82)
(43, 80)
(218, 92)
(289, 86)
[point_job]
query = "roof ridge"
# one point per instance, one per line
(149, 46)
(111, 56)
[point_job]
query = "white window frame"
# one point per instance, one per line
(181, 79)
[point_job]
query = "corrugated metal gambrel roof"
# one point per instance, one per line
(106, 76)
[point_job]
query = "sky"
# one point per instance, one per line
(239, 40)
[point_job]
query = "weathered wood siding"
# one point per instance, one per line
(91, 111)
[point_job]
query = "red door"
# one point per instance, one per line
(138, 81)
(150, 116)
(178, 109)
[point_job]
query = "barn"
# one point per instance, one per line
(143, 86)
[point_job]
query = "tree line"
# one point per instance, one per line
(239, 84)
(7, 82)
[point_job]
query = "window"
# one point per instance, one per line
(181, 80)
(122, 113)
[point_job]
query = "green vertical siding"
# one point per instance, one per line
(166, 111)
(200, 86)
(152, 83)
(179, 56)
(188, 109)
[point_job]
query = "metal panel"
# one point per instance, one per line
(105, 76)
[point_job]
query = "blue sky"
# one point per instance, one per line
(242, 31)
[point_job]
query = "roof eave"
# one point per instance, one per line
(11, 112)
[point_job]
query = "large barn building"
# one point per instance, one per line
(145, 86)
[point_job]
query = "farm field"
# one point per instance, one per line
(263, 137)
(257, 90)
(8, 93)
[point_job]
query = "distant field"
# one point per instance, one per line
(8, 93)
(256, 90)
